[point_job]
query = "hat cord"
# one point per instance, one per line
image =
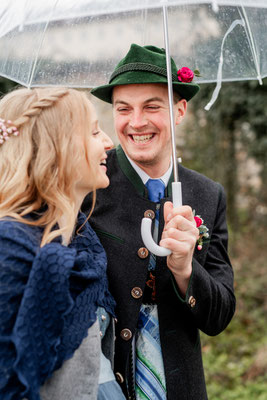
(138, 66)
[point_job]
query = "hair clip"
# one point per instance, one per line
(7, 129)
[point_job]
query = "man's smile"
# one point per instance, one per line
(142, 139)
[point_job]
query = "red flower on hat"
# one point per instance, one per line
(185, 75)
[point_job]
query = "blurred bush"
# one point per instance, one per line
(229, 144)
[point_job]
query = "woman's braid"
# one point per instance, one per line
(38, 106)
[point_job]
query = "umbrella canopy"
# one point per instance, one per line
(78, 43)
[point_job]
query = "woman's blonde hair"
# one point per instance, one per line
(38, 168)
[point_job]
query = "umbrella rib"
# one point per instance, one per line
(40, 45)
(251, 44)
(36, 57)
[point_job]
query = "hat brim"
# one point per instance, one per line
(185, 90)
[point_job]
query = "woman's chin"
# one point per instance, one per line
(103, 184)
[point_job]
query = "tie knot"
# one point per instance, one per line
(155, 189)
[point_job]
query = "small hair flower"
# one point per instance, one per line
(7, 129)
(203, 230)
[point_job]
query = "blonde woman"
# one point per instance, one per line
(53, 280)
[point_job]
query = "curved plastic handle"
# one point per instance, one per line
(148, 240)
(147, 222)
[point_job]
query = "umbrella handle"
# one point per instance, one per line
(147, 222)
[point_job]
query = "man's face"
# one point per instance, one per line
(142, 123)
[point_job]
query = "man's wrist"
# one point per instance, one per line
(182, 278)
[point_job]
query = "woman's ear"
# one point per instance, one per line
(180, 110)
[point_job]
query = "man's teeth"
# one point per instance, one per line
(142, 138)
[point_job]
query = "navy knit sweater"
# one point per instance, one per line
(48, 300)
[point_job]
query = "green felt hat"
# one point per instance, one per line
(144, 65)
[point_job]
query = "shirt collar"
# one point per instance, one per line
(144, 176)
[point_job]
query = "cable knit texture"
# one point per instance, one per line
(48, 300)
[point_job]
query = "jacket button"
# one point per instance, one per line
(119, 377)
(136, 292)
(149, 214)
(143, 252)
(126, 334)
(192, 301)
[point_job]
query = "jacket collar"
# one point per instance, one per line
(133, 176)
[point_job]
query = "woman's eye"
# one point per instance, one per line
(96, 133)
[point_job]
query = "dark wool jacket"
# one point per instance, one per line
(209, 303)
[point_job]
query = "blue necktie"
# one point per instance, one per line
(156, 189)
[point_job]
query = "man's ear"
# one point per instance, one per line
(180, 111)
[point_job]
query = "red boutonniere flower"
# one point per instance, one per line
(203, 230)
(199, 221)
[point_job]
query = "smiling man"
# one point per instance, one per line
(162, 303)
(142, 123)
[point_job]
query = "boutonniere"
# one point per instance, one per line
(203, 230)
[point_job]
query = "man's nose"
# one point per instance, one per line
(138, 120)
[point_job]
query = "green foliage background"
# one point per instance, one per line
(221, 143)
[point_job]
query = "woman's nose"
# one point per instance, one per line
(106, 140)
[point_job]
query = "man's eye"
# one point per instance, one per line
(152, 107)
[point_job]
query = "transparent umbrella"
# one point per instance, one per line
(78, 43)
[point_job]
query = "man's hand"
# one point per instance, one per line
(179, 235)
